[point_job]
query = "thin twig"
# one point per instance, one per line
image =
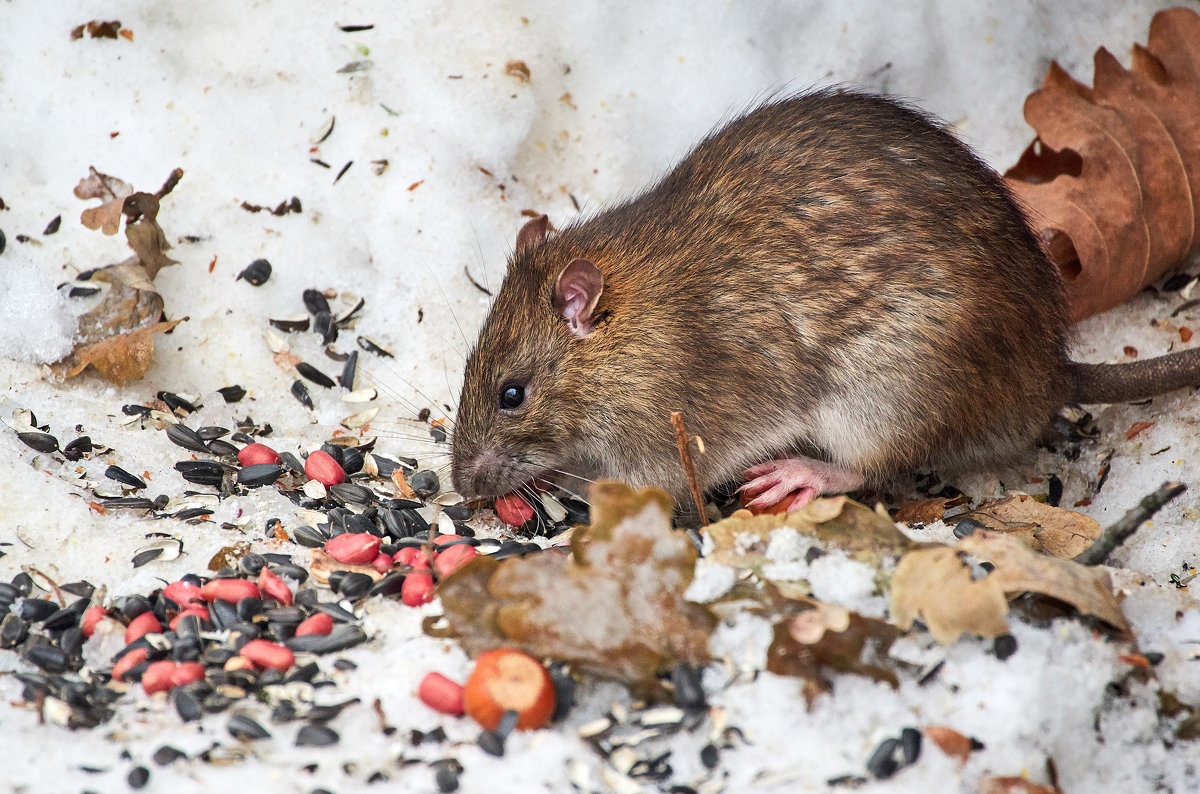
(170, 184)
(1116, 534)
(689, 469)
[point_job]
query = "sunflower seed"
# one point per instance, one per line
(349, 371)
(360, 419)
(13, 631)
(352, 493)
(245, 729)
(78, 448)
(39, 441)
(219, 447)
(201, 472)
(124, 477)
(315, 301)
(187, 438)
(324, 327)
(47, 657)
(300, 392)
(882, 763)
(256, 273)
(167, 754)
(315, 375)
(178, 402)
(259, 474)
(344, 319)
(138, 777)
(309, 537)
(425, 483)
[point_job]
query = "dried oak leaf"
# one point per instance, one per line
(826, 637)
(144, 235)
(925, 511)
(866, 535)
(613, 608)
(1061, 532)
(112, 191)
(1112, 181)
(936, 583)
(949, 741)
(122, 357)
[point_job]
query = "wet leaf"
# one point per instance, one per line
(613, 607)
(1061, 532)
(937, 583)
(122, 357)
(825, 638)
(866, 535)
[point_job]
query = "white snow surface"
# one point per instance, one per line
(237, 93)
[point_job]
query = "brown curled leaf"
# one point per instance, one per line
(122, 357)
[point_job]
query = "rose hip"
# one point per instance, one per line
(441, 694)
(321, 467)
(354, 548)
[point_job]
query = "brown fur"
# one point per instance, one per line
(832, 274)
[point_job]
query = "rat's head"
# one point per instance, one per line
(522, 416)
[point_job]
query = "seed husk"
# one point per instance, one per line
(324, 326)
(372, 347)
(300, 392)
(256, 273)
(297, 322)
(349, 371)
(425, 483)
(243, 728)
(178, 403)
(232, 394)
(316, 736)
(39, 441)
(76, 449)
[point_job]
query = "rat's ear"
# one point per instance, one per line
(576, 293)
(533, 232)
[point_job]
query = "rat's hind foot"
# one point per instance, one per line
(804, 478)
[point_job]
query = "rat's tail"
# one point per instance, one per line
(1120, 383)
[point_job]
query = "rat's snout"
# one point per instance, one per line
(481, 472)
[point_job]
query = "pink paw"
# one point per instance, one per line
(802, 479)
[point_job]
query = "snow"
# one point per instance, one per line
(236, 94)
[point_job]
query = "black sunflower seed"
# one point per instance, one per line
(78, 589)
(491, 743)
(177, 403)
(1004, 646)
(967, 527)
(243, 728)
(143, 557)
(259, 474)
(35, 610)
(13, 631)
(315, 375)
(883, 764)
(389, 585)
(71, 641)
(135, 410)
(309, 537)
(446, 773)
(138, 777)
(47, 657)
(369, 346)
(1177, 282)
(324, 327)
(351, 493)
(62, 618)
(256, 273)
(52, 226)
(300, 392)
(23, 582)
(315, 301)
(289, 571)
(232, 394)
(41, 442)
(341, 638)
(219, 447)
(131, 502)
(82, 292)
(78, 448)
(349, 371)
(167, 755)
(316, 736)
(910, 744)
(355, 585)
(210, 432)
(689, 694)
(188, 513)
(425, 483)
(201, 472)
(187, 438)
(124, 477)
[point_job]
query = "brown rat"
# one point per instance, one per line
(832, 288)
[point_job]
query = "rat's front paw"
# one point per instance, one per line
(802, 479)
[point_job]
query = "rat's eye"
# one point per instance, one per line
(511, 396)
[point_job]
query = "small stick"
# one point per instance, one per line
(1116, 534)
(170, 184)
(685, 459)
(475, 283)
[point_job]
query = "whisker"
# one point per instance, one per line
(569, 474)
(450, 307)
